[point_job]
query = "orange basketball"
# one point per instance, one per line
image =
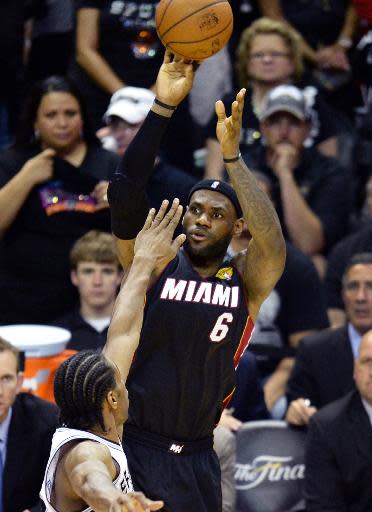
(194, 29)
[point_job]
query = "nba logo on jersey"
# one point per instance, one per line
(176, 448)
(215, 184)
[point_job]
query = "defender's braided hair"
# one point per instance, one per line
(80, 385)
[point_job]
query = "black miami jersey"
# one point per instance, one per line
(194, 332)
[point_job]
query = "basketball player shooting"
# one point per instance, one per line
(87, 468)
(200, 310)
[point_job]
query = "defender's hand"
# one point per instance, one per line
(154, 243)
(134, 502)
(228, 128)
(174, 79)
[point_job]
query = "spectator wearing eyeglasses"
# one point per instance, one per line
(323, 370)
(269, 54)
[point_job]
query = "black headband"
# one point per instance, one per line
(218, 186)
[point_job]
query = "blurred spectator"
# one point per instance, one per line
(294, 309)
(247, 403)
(324, 362)
(310, 191)
(116, 45)
(127, 110)
(269, 55)
(27, 424)
(13, 16)
(326, 27)
(362, 151)
(339, 446)
(53, 189)
(51, 41)
(96, 273)
(337, 263)
(245, 13)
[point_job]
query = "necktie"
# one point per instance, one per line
(1, 476)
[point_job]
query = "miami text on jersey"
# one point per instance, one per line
(193, 291)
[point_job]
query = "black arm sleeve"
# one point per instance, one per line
(126, 191)
(138, 161)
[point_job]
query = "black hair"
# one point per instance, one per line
(25, 127)
(80, 385)
(361, 258)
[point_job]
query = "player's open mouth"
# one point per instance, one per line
(198, 237)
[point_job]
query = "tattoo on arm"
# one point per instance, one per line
(264, 261)
(258, 210)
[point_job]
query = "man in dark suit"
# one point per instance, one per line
(323, 370)
(27, 425)
(339, 446)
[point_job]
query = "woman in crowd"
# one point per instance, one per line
(53, 184)
(116, 46)
(269, 55)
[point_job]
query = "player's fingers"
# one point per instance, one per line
(173, 221)
(235, 112)
(220, 111)
(240, 96)
(178, 241)
(171, 213)
(147, 504)
(155, 505)
(168, 56)
(189, 72)
(160, 215)
(150, 218)
(131, 506)
(229, 125)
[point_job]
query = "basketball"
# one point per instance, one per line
(194, 29)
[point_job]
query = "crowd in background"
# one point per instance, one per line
(78, 78)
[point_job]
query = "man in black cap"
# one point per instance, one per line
(200, 310)
(311, 192)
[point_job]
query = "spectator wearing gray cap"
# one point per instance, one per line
(124, 116)
(311, 192)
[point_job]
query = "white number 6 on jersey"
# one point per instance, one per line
(220, 329)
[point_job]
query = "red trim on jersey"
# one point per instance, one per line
(226, 400)
(243, 344)
(244, 341)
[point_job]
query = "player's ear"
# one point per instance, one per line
(238, 227)
(112, 399)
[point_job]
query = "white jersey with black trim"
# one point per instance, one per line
(61, 437)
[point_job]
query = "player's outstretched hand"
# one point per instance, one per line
(174, 79)
(228, 128)
(135, 502)
(155, 240)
